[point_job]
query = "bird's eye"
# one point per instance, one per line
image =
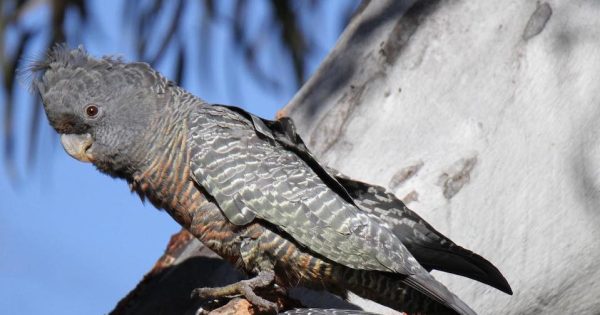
(91, 111)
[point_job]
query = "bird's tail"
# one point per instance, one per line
(419, 293)
(320, 311)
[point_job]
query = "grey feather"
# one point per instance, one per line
(255, 170)
(276, 185)
(431, 248)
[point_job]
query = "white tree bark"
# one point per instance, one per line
(485, 116)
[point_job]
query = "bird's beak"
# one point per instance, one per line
(77, 145)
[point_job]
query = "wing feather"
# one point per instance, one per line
(285, 186)
(252, 176)
(431, 248)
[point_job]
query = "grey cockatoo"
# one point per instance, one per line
(249, 189)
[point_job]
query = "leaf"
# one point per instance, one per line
(10, 71)
(180, 64)
(170, 34)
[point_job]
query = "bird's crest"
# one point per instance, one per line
(60, 56)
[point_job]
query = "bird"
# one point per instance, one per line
(249, 189)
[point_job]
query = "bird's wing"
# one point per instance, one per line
(252, 176)
(431, 248)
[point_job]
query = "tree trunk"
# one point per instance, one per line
(483, 116)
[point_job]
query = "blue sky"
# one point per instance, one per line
(74, 241)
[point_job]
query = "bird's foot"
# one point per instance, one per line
(244, 288)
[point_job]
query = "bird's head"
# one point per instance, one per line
(102, 108)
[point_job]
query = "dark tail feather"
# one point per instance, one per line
(461, 261)
(431, 248)
(412, 294)
(320, 311)
(426, 284)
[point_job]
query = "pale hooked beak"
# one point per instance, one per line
(77, 145)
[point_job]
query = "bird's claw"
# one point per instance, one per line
(244, 288)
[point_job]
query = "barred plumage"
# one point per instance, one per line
(249, 189)
(253, 178)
